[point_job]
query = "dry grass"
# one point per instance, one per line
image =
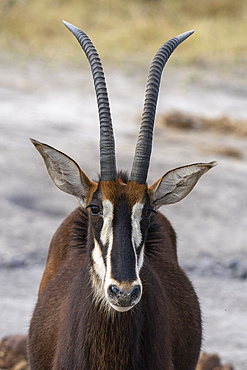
(121, 28)
(222, 124)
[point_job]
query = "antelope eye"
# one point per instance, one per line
(147, 213)
(94, 210)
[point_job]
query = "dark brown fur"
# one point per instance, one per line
(70, 331)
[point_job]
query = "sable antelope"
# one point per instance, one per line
(113, 295)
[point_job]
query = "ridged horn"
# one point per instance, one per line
(108, 170)
(144, 142)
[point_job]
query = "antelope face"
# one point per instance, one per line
(119, 219)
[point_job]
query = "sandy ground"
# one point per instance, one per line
(58, 107)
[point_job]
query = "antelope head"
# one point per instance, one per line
(119, 209)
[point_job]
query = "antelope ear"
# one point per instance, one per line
(64, 172)
(177, 183)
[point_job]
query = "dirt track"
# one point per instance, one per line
(58, 107)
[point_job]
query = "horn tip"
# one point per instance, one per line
(70, 26)
(185, 35)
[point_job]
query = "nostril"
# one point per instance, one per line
(135, 293)
(124, 297)
(113, 291)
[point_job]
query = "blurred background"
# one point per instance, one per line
(46, 92)
(126, 30)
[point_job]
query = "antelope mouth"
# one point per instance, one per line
(119, 308)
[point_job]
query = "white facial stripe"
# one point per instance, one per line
(141, 259)
(106, 234)
(98, 276)
(98, 261)
(135, 223)
(108, 279)
(107, 238)
(137, 236)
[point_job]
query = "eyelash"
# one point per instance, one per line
(95, 210)
(147, 213)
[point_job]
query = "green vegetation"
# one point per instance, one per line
(120, 28)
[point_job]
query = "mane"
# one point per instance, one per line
(161, 238)
(78, 235)
(123, 176)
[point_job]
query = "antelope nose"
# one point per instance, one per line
(124, 297)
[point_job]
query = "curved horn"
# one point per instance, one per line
(144, 143)
(108, 170)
